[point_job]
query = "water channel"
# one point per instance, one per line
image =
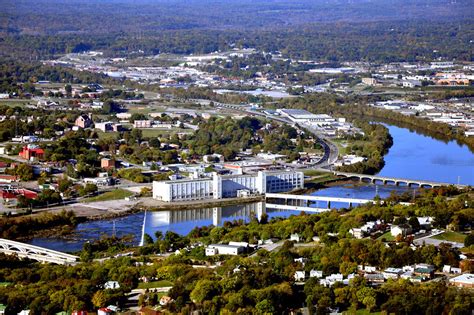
(412, 156)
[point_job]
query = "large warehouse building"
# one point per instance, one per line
(227, 186)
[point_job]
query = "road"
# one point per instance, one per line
(331, 152)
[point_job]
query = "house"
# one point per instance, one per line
(424, 270)
(142, 124)
(449, 269)
(165, 300)
(316, 273)
(357, 233)
(104, 311)
(222, 249)
(84, 121)
(463, 281)
(402, 229)
(111, 285)
(31, 152)
(425, 222)
(2, 309)
(107, 163)
(392, 273)
(24, 312)
(369, 81)
(330, 280)
(300, 275)
(295, 237)
(374, 278)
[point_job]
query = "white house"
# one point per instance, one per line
(316, 273)
(222, 249)
(300, 276)
(295, 237)
(111, 285)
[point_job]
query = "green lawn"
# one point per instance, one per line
(314, 173)
(387, 236)
(155, 284)
(451, 237)
(110, 195)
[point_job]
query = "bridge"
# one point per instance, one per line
(394, 181)
(307, 199)
(41, 254)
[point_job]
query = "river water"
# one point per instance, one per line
(412, 156)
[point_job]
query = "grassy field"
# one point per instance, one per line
(15, 102)
(155, 284)
(314, 173)
(387, 236)
(110, 195)
(451, 237)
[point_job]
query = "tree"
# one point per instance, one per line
(415, 225)
(204, 290)
(469, 240)
(99, 299)
(68, 89)
(25, 172)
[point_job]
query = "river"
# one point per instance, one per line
(412, 156)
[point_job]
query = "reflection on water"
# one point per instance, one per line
(415, 156)
(183, 221)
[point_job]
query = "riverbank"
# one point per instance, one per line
(150, 204)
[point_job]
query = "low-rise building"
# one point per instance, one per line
(223, 249)
(300, 275)
(463, 281)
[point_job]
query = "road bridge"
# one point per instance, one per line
(307, 198)
(41, 254)
(375, 179)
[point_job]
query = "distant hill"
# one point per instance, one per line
(114, 16)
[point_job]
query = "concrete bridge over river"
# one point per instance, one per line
(41, 254)
(375, 179)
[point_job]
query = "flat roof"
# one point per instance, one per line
(465, 278)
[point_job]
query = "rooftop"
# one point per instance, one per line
(465, 278)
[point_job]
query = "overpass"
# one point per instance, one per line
(394, 181)
(41, 254)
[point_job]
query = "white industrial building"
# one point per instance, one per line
(222, 249)
(227, 186)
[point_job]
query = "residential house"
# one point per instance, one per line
(111, 285)
(295, 237)
(107, 163)
(392, 273)
(425, 222)
(402, 229)
(31, 152)
(300, 275)
(2, 309)
(316, 273)
(165, 300)
(449, 269)
(142, 124)
(104, 311)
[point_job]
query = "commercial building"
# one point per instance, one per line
(227, 186)
(222, 249)
(463, 281)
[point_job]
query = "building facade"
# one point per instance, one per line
(227, 186)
